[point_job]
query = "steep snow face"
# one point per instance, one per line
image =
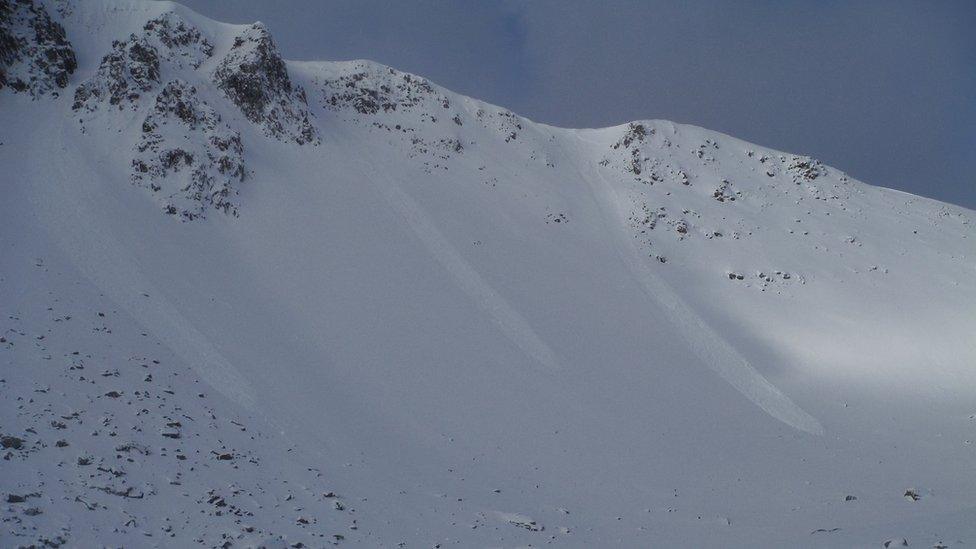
(789, 233)
(248, 300)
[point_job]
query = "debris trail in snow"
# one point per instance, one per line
(96, 253)
(511, 323)
(710, 347)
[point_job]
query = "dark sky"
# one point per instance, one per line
(885, 90)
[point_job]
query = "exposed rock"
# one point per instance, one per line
(187, 156)
(522, 521)
(254, 77)
(724, 192)
(635, 133)
(131, 69)
(35, 55)
(633, 153)
(133, 66)
(369, 89)
(11, 442)
(804, 168)
(559, 217)
(184, 44)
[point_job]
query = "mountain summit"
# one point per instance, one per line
(250, 301)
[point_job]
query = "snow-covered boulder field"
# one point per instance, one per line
(247, 301)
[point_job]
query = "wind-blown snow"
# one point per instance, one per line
(345, 305)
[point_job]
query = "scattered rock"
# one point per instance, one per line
(11, 442)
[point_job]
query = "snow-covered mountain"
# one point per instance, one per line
(254, 301)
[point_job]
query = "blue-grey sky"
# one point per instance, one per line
(883, 89)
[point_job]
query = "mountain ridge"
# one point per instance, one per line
(442, 322)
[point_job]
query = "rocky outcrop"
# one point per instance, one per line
(133, 67)
(370, 89)
(181, 44)
(254, 77)
(635, 133)
(805, 169)
(35, 55)
(187, 156)
(643, 151)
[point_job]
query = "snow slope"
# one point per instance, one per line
(255, 301)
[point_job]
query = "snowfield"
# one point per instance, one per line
(246, 301)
